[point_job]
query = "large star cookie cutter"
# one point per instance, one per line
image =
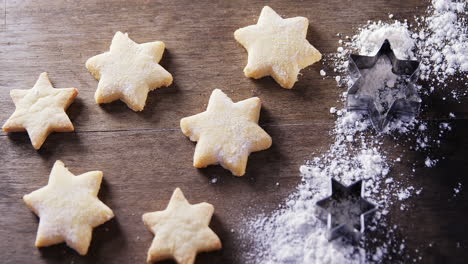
(383, 87)
(345, 211)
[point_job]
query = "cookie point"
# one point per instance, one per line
(110, 215)
(88, 64)
(198, 162)
(82, 251)
(287, 85)
(98, 99)
(99, 174)
(183, 124)
(270, 141)
(38, 242)
(144, 217)
(319, 55)
(219, 245)
(237, 34)
(250, 72)
(161, 44)
(119, 34)
(304, 20)
(136, 108)
(178, 194)
(149, 259)
(36, 145)
(238, 172)
(26, 198)
(209, 206)
(59, 162)
(169, 80)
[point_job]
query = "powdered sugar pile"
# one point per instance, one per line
(442, 40)
(369, 40)
(293, 234)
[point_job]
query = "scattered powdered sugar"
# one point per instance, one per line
(442, 40)
(405, 193)
(293, 233)
(457, 189)
(429, 162)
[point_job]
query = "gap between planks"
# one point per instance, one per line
(176, 129)
(272, 125)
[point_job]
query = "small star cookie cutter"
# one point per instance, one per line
(405, 103)
(345, 211)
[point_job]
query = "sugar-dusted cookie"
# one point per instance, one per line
(277, 47)
(40, 110)
(181, 231)
(68, 208)
(128, 71)
(226, 132)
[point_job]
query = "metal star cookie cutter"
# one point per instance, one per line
(345, 210)
(404, 105)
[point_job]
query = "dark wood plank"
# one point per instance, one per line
(2, 14)
(433, 223)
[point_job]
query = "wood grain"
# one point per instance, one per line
(144, 155)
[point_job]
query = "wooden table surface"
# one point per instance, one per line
(144, 156)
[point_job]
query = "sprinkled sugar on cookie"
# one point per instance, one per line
(277, 47)
(128, 71)
(226, 132)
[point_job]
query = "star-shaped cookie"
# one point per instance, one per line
(68, 208)
(181, 231)
(277, 47)
(128, 71)
(40, 110)
(226, 132)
